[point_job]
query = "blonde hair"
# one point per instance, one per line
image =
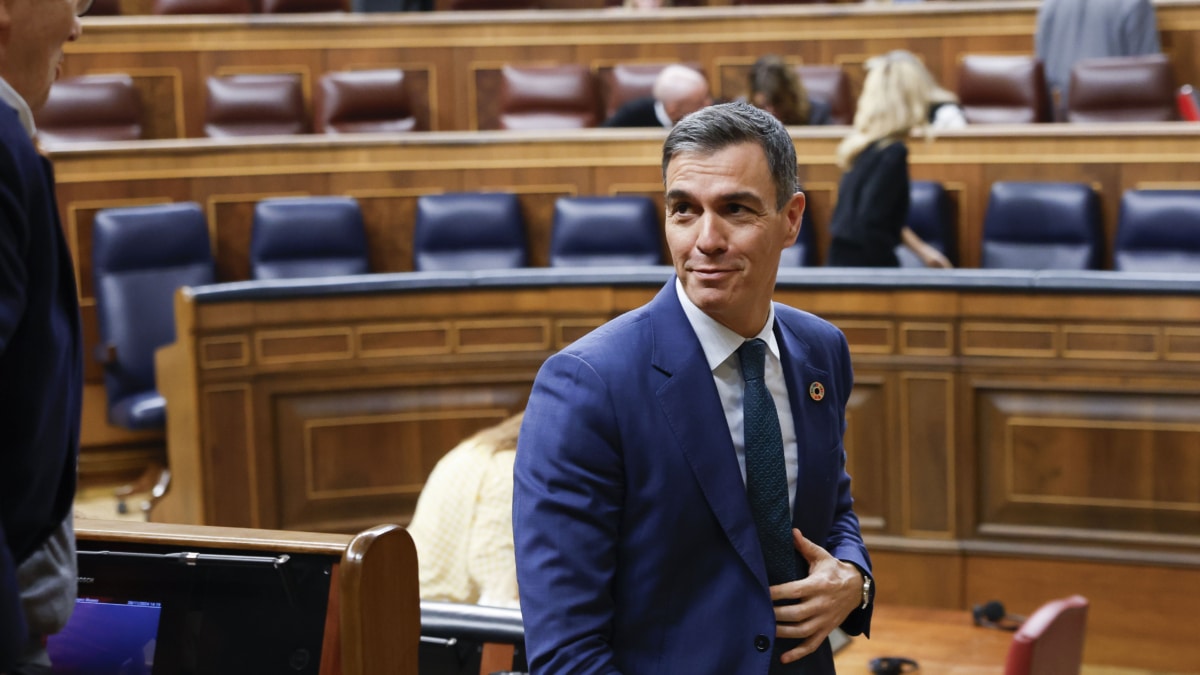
(895, 100)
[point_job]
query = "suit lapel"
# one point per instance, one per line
(799, 375)
(693, 411)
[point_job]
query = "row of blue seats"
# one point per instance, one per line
(1057, 226)
(142, 254)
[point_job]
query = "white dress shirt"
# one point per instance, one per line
(720, 346)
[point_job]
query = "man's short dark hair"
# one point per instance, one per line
(717, 127)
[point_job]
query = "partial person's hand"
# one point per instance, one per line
(934, 258)
(822, 600)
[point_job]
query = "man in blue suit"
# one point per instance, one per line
(638, 548)
(40, 362)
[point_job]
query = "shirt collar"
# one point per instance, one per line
(11, 97)
(717, 341)
(660, 111)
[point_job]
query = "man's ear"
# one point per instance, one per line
(793, 213)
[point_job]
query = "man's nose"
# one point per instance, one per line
(710, 235)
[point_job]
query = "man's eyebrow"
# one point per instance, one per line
(744, 196)
(676, 194)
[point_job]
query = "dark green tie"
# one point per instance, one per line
(766, 475)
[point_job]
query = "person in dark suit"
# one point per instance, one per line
(659, 512)
(1070, 30)
(40, 361)
(870, 216)
(678, 91)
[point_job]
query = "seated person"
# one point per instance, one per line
(462, 526)
(774, 86)
(678, 91)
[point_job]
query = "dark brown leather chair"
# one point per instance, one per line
(361, 101)
(302, 6)
(1002, 89)
(1122, 89)
(548, 97)
(1050, 641)
(493, 4)
(91, 108)
(831, 85)
(105, 8)
(202, 7)
(254, 105)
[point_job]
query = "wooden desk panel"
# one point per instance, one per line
(454, 55)
(327, 412)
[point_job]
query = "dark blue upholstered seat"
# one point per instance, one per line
(296, 237)
(1158, 231)
(140, 256)
(605, 231)
(469, 231)
(930, 216)
(1042, 226)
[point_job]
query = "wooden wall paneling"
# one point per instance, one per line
(924, 578)
(186, 498)
(1090, 459)
(1131, 620)
(227, 447)
(388, 216)
(363, 450)
(869, 458)
(927, 462)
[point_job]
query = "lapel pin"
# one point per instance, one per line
(816, 391)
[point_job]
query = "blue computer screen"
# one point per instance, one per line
(106, 636)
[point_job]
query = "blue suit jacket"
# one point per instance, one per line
(40, 367)
(636, 549)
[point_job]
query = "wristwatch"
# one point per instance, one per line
(866, 599)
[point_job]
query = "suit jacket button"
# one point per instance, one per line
(762, 643)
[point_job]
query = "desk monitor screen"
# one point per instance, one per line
(155, 610)
(107, 636)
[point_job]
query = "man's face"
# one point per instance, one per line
(32, 34)
(725, 234)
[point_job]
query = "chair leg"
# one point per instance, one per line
(154, 481)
